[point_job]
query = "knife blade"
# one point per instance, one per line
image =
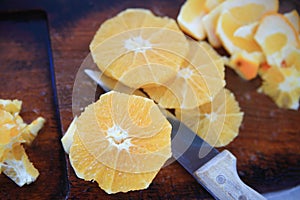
(215, 171)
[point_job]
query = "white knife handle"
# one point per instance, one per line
(219, 176)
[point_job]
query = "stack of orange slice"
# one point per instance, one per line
(14, 162)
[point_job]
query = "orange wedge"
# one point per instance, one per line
(197, 82)
(120, 139)
(217, 122)
(135, 43)
(283, 86)
(190, 18)
(276, 35)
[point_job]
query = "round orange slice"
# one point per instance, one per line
(125, 132)
(138, 44)
(217, 122)
(198, 81)
(283, 86)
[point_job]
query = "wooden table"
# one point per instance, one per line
(267, 147)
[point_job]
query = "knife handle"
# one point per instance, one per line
(219, 176)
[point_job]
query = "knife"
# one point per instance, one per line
(215, 171)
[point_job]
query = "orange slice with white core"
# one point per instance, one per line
(217, 122)
(190, 18)
(138, 44)
(18, 168)
(246, 64)
(275, 35)
(198, 81)
(294, 19)
(108, 179)
(283, 86)
(119, 139)
(125, 132)
(13, 133)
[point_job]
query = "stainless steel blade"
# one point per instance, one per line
(188, 148)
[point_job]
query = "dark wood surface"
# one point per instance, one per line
(267, 147)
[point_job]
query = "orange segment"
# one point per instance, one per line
(237, 14)
(125, 132)
(198, 81)
(138, 44)
(217, 122)
(276, 35)
(190, 18)
(110, 180)
(283, 86)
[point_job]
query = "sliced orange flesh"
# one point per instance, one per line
(125, 132)
(198, 81)
(276, 35)
(283, 86)
(110, 180)
(216, 122)
(190, 18)
(237, 14)
(135, 43)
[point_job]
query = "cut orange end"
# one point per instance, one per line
(216, 122)
(276, 35)
(13, 133)
(198, 81)
(246, 64)
(283, 86)
(190, 18)
(18, 168)
(237, 14)
(138, 44)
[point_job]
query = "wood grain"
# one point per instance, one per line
(267, 148)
